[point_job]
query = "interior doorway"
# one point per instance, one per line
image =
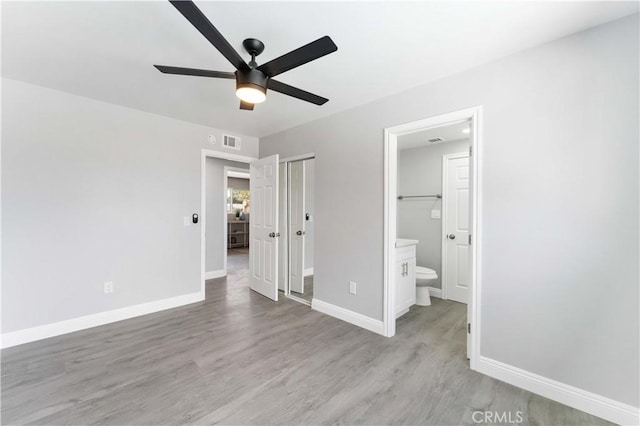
(453, 205)
(237, 226)
(213, 217)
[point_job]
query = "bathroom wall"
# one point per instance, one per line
(420, 173)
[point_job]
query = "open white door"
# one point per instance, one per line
(297, 224)
(456, 227)
(263, 256)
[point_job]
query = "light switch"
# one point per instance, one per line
(435, 214)
(186, 220)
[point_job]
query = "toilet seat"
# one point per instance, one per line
(423, 273)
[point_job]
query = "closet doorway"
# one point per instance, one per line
(296, 218)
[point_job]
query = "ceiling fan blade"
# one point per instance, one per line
(190, 11)
(246, 105)
(285, 89)
(300, 56)
(196, 72)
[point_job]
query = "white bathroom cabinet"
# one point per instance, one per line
(405, 275)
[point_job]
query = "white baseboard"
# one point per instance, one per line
(349, 316)
(308, 271)
(27, 335)
(435, 292)
(580, 399)
(215, 274)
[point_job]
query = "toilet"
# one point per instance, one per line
(424, 278)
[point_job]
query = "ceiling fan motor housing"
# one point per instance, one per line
(253, 78)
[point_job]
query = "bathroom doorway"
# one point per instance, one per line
(297, 213)
(433, 208)
(431, 221)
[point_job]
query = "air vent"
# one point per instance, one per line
(435, 140)
(231, 141)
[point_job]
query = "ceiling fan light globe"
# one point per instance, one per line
(251, 95)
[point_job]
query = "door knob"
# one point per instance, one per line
(272, 234)
(300, 233)
(451, 236)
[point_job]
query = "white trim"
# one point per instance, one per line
(390, 222)
(204, 153)
(580, 399)
(435, 292)
(308, 156)
(390, 218)
(215, 274)
(307, 272)
(475, 230)
(238, 175)
(285, 198)
(27, 335)
(351, 317)
(228, 156)
(444, 278)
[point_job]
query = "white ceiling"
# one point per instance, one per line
(449, 133)
(105, 50)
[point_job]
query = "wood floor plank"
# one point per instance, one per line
(239, 358)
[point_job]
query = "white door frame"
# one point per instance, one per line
(443, 255)
(290, 233)
(390, 215)
(203, 206)
(287, 288)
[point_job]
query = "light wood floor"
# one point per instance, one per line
(239, 358)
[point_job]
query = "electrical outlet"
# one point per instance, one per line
(352, 287)
(108, 287)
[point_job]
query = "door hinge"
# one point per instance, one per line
(469, 328)
(469, 239)
(470, 151)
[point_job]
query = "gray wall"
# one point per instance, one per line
(560, 203)
(237, 183)
(95, 192)
(419, 173)
(216, 205)
(309, 185)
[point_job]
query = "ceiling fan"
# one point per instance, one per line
(252, 81)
